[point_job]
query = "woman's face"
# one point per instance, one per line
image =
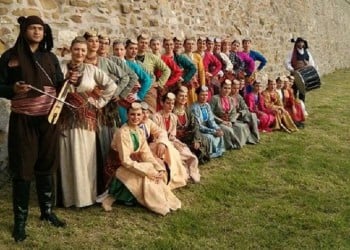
(168, 105)
(103, 46)
(217, 47)
(235, 89)
(181, 98)
(168, 46)
(135, 117)
(189, 46)
(78, 52)
(93, 44)
(131, 51)
(145, 113)
(155, 46)
(119, 50)
(203, 97)
(210, 45)
(235, 46)
(257, 88)
(271, 85)
(226, 89)
(225, 46)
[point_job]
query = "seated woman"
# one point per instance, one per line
(139, 178)
(292, 105)
(206, 124)
(168, 121)
(256, 104)
(243, 114)
(273, 102)
(186, 130)
(78, 161)
(235, 134)
(163, 150)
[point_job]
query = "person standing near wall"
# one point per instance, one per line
(33, 141)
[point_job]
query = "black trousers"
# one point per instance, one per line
(33, 146)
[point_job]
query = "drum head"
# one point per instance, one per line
(299, 81)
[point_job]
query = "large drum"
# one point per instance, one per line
(307, 79)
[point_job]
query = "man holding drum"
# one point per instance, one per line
(299, 59)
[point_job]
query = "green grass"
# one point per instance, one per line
(289, 192)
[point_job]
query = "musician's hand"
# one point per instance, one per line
(228, 124)
(172, 137)
(21, 87)
(196, 145)
(73, 77)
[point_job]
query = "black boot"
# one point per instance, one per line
(45, 198)
(20, 197)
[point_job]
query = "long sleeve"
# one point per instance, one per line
(144, 78)
(258, 57)
(200, 69)
(189, 69)
(107, 85)
(195, 111)
(123, 145)
(6, 87)
(133, 78)
(229, 65)
(311, 60)
(288, 62)
(175, 70)
(249, 99)
(163, 68)
(211, 64)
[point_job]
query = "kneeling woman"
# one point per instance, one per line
(139, 178)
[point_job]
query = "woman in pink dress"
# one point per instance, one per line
(256, 104)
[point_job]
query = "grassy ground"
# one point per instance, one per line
(291, 191)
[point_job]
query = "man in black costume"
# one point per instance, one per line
(32, 140)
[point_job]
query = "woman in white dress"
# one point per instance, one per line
(91, 91)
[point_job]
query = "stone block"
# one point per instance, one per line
(76, 18)
(26, 12)
(48, 4)
(7, 1)
(3, 11)
(80, 3)
(125, 8)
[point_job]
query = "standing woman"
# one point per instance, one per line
(92, 91)
(199, 78)
(168, 121)
(206, 124)
(186, 130)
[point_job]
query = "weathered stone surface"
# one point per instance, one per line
(26, 12)
(126, 8)
(7, 1)
(80, 3)
(76, 18)
(270, 24)
(48, 4)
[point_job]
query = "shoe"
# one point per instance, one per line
(53, 220)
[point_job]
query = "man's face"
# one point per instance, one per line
(103, 46)
(300, 45)
(35, 33)
(142, 45)
(246, 45)
(119, 50)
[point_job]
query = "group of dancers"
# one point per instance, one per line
(136, 122)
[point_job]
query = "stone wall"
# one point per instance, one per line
(270, 23)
